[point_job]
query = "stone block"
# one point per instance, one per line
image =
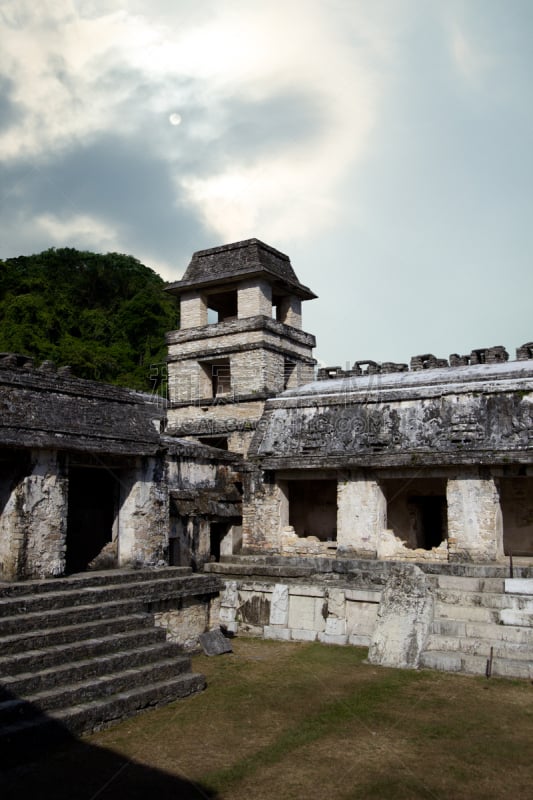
(271, 632)
(301, 635)
(519, 585)
(214, 643)
(335, 627)
(404, 619)
(230, 595)
(336, 603)
(232, 627)
(306, 613)
(361, 618)
(279, 605)
(509, 616)
(306, 591)
(227, 615)
(363, 595)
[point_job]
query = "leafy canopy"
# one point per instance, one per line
(104, 315)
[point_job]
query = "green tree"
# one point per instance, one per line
(104, 315)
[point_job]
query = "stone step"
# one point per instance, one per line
(475, 664)
(50, 655)
(480, 646)
(469, 584)
(84, 580)
(32, 734)
(41, 620)
(63, 697)
(482, 630)
(95, 608)
(42, 680)
(78, 653)
(466, 613)
(146, 591)
(485, 599)
(64, 635)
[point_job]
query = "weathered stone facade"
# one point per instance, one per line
(426, 463)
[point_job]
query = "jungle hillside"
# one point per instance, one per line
(104, 315)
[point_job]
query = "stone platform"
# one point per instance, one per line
(437, 615)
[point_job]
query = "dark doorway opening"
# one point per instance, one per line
(217, 531)
(91, 512)
(430, 515)
(516, 499)
(313, 508)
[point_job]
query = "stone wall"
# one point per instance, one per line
(300, 612)
(481, 355)
(185, 624)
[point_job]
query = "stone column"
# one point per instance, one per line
(265, 516)
(475, 526)
(290, 311)
(143, 521)
(254, 297)
(33, 525)
(193, 310)
(361, 515)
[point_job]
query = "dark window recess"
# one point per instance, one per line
(417, 511)
(215, 441)
(313, 508)
(222, 307)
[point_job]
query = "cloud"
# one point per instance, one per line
(107, 194)
(276, 103)
(81, 228)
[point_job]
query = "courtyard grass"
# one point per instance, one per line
(288, 720)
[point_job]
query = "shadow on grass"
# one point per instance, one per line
(47, 761)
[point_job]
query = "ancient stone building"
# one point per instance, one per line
(428, 464)
(87, 479)
(240, 342)
(379, 505)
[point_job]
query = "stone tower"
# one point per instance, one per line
(240, 342)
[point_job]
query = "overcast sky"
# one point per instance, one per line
(384, 145)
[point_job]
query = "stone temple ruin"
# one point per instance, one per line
(383, 505)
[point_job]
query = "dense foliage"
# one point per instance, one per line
(105, 315)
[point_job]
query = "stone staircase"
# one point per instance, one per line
(482, 625)
(79, 653)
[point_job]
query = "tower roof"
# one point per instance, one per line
(237, 261)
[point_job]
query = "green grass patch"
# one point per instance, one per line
(292, 720)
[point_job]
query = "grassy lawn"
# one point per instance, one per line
(288, 720)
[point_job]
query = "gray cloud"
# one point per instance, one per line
(114, 180)
(261, 127)
(10, 112)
